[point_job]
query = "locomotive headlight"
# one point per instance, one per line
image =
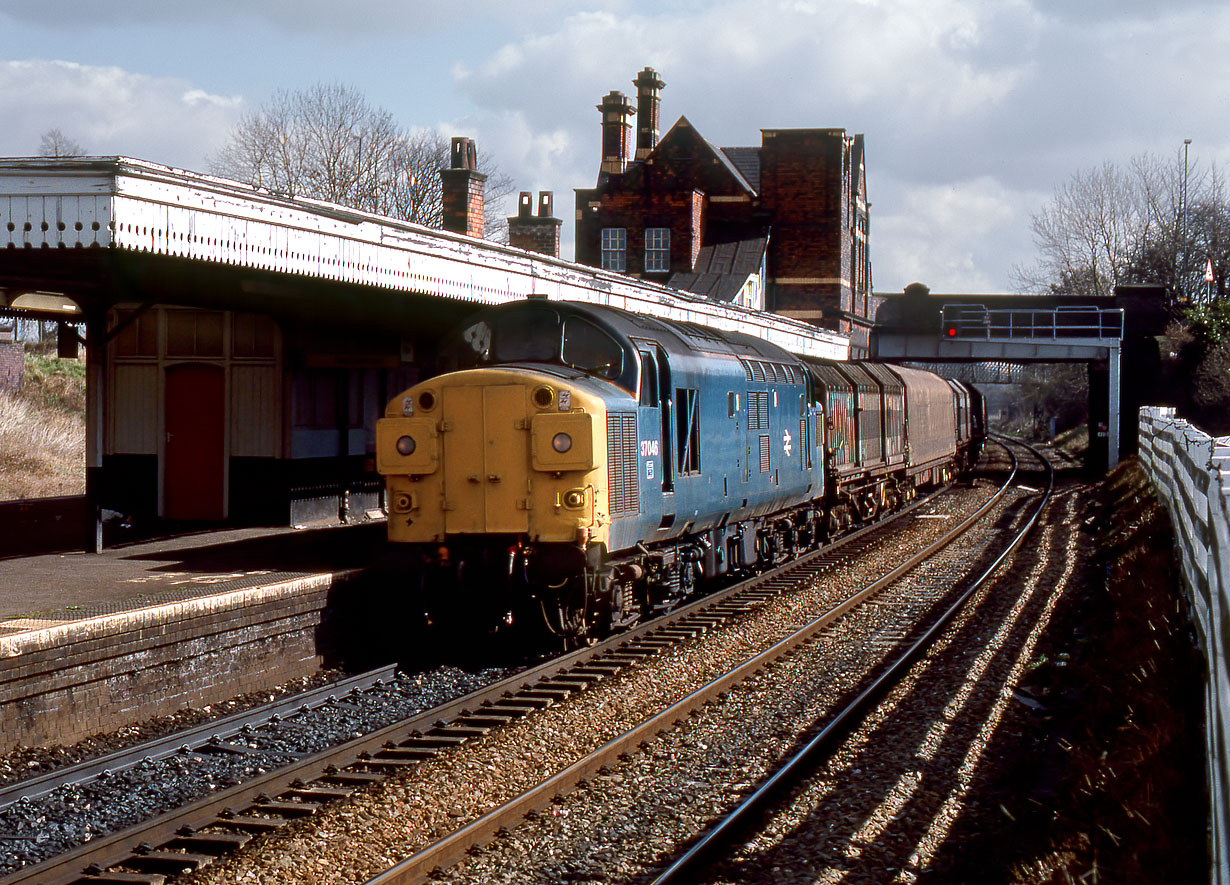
(405, 445)
(562, 441)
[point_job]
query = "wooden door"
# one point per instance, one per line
(194, 454)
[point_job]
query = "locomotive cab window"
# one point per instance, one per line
(542, 335)
(588, 348)
(528, 336)
(649, 380)
(687, 414)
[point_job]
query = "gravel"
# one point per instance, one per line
(619, 825)
(40, 828)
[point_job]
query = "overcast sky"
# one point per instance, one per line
(973, 112)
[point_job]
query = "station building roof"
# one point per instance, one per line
(108, 229)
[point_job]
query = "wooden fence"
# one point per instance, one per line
(1191, 471)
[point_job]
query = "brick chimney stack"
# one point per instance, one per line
(462, 185)
(616, 133)
(648, 85)
(539, 234)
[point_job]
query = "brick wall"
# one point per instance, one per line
(462, 188)
(12, 365)
(69, 681)
(537, 236)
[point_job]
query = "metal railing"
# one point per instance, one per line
(976, 321)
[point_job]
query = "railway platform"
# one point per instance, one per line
(58, 588)
(92, 642)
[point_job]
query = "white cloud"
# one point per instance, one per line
(973, 111)
(961, 236)
(108, 110)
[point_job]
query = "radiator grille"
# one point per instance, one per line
(623, 489)
(764, 454)
(758, 410)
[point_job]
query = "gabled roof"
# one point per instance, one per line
(684, 149)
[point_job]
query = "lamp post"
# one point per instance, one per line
(1183, 226)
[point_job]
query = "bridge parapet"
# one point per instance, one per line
(978, 322)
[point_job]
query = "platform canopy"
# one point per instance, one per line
(108, 229)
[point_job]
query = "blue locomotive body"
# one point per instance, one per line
(602, 463)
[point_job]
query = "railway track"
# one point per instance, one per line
(800, 764)
(193, 837)
(937, 587)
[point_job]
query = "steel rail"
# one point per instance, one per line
(332, 765)
(113, 849)
(189, 740)
(454, 847)
(685, 867)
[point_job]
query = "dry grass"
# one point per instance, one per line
(42, 431)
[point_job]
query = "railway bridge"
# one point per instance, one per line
(1010, 330)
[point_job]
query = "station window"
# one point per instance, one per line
(328, 398)
(194, 333)
(657, 249)
(253, 336)
(615, 249)
(137, 336)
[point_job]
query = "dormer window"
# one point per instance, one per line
(615, 249)
(657, 249)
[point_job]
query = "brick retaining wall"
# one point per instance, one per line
(65, 682)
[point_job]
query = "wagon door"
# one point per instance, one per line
(485, 472)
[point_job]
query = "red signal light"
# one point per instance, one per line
(952, 332)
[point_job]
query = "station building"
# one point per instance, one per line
(241, 344)
(782, 227)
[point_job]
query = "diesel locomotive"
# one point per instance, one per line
(585, 467)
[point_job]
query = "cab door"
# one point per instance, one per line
(486, 472)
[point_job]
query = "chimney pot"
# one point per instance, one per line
(462, 189)
(648, 103)
(616, 132)
(539, 234)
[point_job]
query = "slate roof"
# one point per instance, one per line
(746, 161)
(724, 263)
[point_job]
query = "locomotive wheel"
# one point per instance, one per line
(573, 612)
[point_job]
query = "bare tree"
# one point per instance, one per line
(327, 143)
(1140, 224)
(1087, 236)
(55, 143)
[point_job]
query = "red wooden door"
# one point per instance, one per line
(194, 453)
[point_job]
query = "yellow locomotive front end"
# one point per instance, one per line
(507, 453)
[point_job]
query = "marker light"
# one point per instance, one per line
(561, 442)
(405, 445)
